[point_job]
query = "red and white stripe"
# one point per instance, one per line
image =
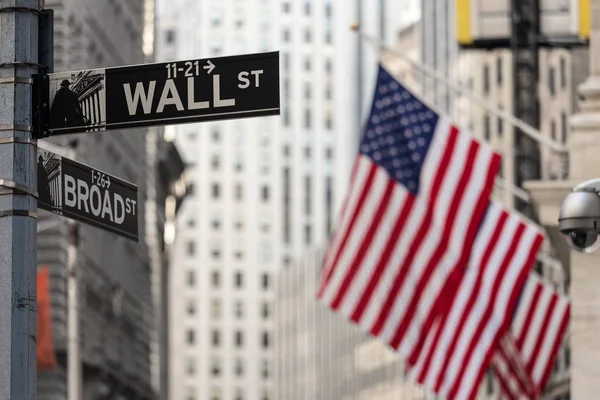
(536, 334)
(460, 345)
(392, 253)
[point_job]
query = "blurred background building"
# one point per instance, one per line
(121, 283)
(265, 190)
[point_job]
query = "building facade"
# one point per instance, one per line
(264, 190)
(118, 280)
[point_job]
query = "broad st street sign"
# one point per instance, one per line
(86, 194)
(161, 94)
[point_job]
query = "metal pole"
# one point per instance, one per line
(74, 375)
(491, 108)
(18, 203)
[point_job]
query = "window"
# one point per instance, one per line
(215, 367)
(286, 7)
(215, 278)
(170, 36)
(499, 70)
(307, 195)
(307, 118)
(553, 130)
(239, 339)
(191, 278)
(486, 128)
(489, 382)
(239, 279)
(215, 162)
(191, 336)
(500, 126)
(564, 127)
(216, 253)
(216, 134)
(567, 357)
(215, 308)
(307, 35)
(216, 338)
(307, 152)
(191, 307)
(266, 340)
(215, 222)
(286, 35)
(328, 121)
(239, 367)
(307, 234)
(307, 64)
(328, 35)
(328, 92)
(551, 79)
(286, 205)
(266, 281)
(307, 7)
(563, 73)
(307, 92)
(191, 393)
(329, 153)
(329, 204)
(239, 192)
(239, 309)
(216, 190)
(265, 193)
(486, 79)
(266, 310)
(266, 369)
(328, 10)
(191, 248)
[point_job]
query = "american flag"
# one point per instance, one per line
(418, 192)
(527, 353)
(462, 341)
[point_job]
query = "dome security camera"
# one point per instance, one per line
(579, 219)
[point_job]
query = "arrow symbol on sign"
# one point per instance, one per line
(209, 66)
(107, 182)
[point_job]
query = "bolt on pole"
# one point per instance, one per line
(18, 199)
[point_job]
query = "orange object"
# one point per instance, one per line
(46, 357)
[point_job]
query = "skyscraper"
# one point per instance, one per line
(265, 190)
(119, 281)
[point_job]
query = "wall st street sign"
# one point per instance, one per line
(161, 94)
(85, 194)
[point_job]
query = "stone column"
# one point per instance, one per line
(584, 163)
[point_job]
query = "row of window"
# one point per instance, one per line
(238, 368)
(287, 8)
(265, 279)
(238, 338)
(239, 309)
(551, 75)
(308, 62)
(487, 127)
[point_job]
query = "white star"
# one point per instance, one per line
(412, 145)
(421, 142)
(416, 157)
(408, 133)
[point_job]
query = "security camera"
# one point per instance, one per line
(579, 219)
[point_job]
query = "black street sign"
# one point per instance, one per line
(161, 94)
(85, 194)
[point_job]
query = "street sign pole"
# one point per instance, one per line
(18, 218)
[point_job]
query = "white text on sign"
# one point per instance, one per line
(170, 97)
(96, 201)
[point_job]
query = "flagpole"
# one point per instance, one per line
(510, 118)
